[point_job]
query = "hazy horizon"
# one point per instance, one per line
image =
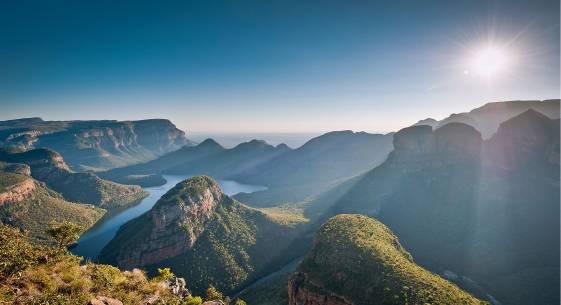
(283, 67)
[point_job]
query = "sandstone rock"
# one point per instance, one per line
(17, 192)
(101, 300)
(414, 139)
(215, 302)
(298, 294)
(458, 138)
(178, 286)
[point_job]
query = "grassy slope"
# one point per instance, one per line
(32, 274)
(44, 206)
(49, 167)
(359, 258)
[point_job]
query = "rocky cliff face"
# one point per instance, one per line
(95, 144)
(176, 222)
(456, 138)
(203, 235)
(48, 166)
(17, 192)
(300, 294)
(29, 205)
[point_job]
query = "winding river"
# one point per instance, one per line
(92, 241)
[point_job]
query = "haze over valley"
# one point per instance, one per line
(268, 153)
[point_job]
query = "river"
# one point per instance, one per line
(92, 241)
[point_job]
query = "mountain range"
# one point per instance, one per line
(95, 145)
(487, 118)
(483, 212)
(459, 211)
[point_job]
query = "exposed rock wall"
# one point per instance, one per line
(17, 192)
(299, 294)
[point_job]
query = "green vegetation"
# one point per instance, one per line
(41, 207)
(48, 166)
(8, 180)
(272, 291)
(212, 294)
(359, 258)
(65, 233)
(232, 244)
(33, 274)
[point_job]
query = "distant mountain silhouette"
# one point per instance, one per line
(487, 118)
(319, 163)
(95, 145)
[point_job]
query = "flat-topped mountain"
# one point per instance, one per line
(28, 204)
(487, 211)
(487, 118)
(357, 260)
(203, 235)
(48, 166)
(95, 144)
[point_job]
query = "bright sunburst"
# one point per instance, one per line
(489, 62)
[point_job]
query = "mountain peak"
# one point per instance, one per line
(253, 144)
(197, 190)
(209, 143)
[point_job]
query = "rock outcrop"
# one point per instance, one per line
(16, 168)
(202, 235)
(299, 293)
(453, 141)
(29, 205)
(17, 192)
(48, 166)
(176, 221)
(487, 118)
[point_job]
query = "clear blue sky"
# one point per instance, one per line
(270, 66)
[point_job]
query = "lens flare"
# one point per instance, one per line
(489, 61)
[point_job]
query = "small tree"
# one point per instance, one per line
(212, 294)
(192, 301)
(240, 302)
(164, 274)
(65, 233)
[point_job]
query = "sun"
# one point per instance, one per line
(488, 62)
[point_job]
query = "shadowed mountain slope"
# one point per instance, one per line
(487, 212)
(487, 118)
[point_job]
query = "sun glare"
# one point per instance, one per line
(488, 62)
